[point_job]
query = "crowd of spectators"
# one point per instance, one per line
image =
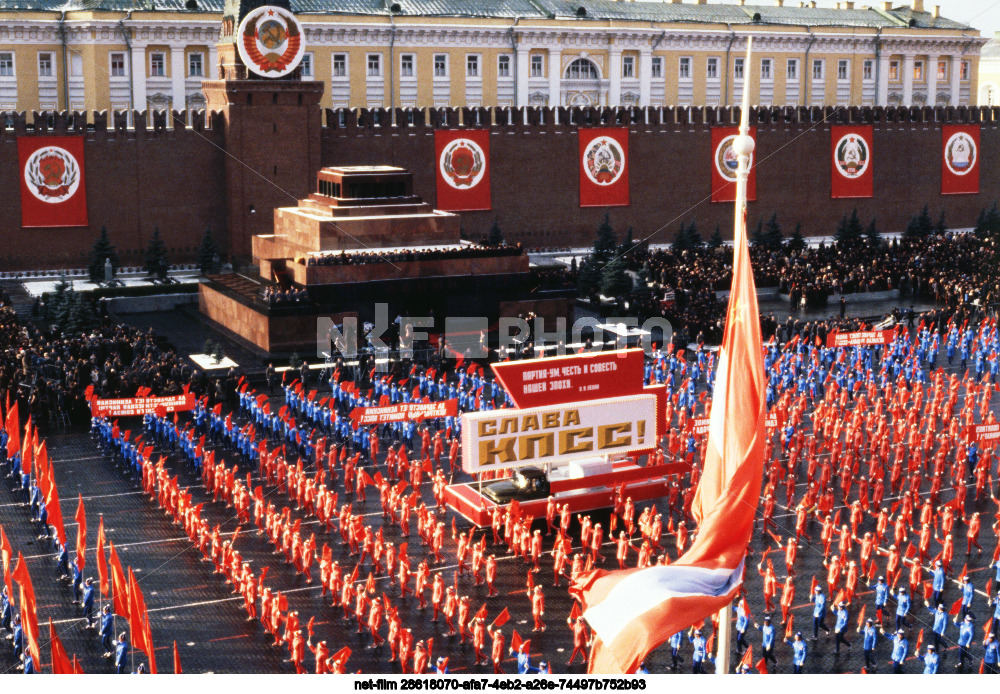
(406, 255)
(276, 296)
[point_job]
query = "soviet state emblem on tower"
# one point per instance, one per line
(269, 41)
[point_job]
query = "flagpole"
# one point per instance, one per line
(743, 147)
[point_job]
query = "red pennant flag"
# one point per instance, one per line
(501, 618)
(102, 562)
(136, 615)
(81, 534)
(747, 658)
(77, 669)
(29, 614)
(148, 635)
(574, 612)
(790, 629)
(956, 607)
(481, 614)
(53, 187)
(12, 426)
(515, 641)
(6, 554)
(177, 660)
(604, 167)
(119, 584)
(762, 666)
(61, 664)
(851, 161)
(920, 642)
(861, 616)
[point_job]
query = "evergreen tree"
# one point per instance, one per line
(772, 234)
(912, 229)
(873, 234)
(156, 264)
(757, 238)
(218, 355)
(993, 221)
(208, 347)
(681, 242)
(606, 242)
(588, 280)
(58, 304)
(693, 236)
(925, 224)
(79, 313)
(102, 250)
(208, 252)
(615, 281)
(495, 236)
(715, 240)
(849, 230)
(796, 242)
(981, 228)
(940, 228)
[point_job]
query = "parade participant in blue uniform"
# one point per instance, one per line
(675, 650)
(840, 628)
(902, 608)
(940, 623)
(107, 632)
(28, 664)
(868, 645)
(900, 647)
(938, 582)
(121, 654)
(966, 632)
(881, 597)
(523, 660)
(741, 627)
(799, 652)
(699, 654)
(6, 613)
(818, 598)
(995, 603)
(767, 640)
(991, 654)
(441, 666)
(968, 591)
(88, 603)
(931, 660)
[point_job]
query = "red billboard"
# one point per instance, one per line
(463, 169)
(851, 161)
(988, 434)
(573, 378)
(129, 407)
(860, 338)
(53, 190)
(404, 411)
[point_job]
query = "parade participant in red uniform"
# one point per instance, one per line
(538, 608)
(580, 640)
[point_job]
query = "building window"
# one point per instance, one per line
(307, 64)
(817, 69)
(656, 68)
(340, 65)
(503, 66)
(6, 64)
(942, 70)
(738, 69)
(894, 70)
(792, 73)
(581, 68)
(964, 74)
(918, 70)
(406, 65)
(868, 69)
(712, 69)
(536, 66)
(472, 65)
(157, 65)
(842, 69)
(117, 64)
(45, 65)
(374, 64)
(765, 69)
(684, 69)
(628, 66)
(196, 65)
(440, 65)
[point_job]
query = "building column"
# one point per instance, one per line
(956, 79)
(137, 63)
(882, 84)
(523, 75)
(555, 77)
(178, 71)
(932, 61)
(645, 75)
(908, 80)
(615, 77)
(212, 69)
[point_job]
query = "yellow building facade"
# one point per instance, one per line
(435, 53)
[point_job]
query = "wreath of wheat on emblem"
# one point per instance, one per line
(52, 174)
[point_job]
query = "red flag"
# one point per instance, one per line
(861, 616)
(747, 658)
(148, 635)
(102, 562)
(762, 666)
(604, 167)
(29, 614)
(956, 607)
(920, 642)
(81, 534)
(959, 159)
(118, 584)
(12, 426)
(463, 169)
(177, 660)
(851, 161)
(137, 615)
(515, 641)
(77, 670)
(53, 189)
(501, 618)
(6, 553)
(481, 614)
(724, 166)
(790, 629)
(61, 664)
(574, 612)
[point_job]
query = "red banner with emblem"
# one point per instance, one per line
(860, 338)
(603, 167)
(724, 166)
(851, 161)
(463, 169)
(53, 193)
(959, 159)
